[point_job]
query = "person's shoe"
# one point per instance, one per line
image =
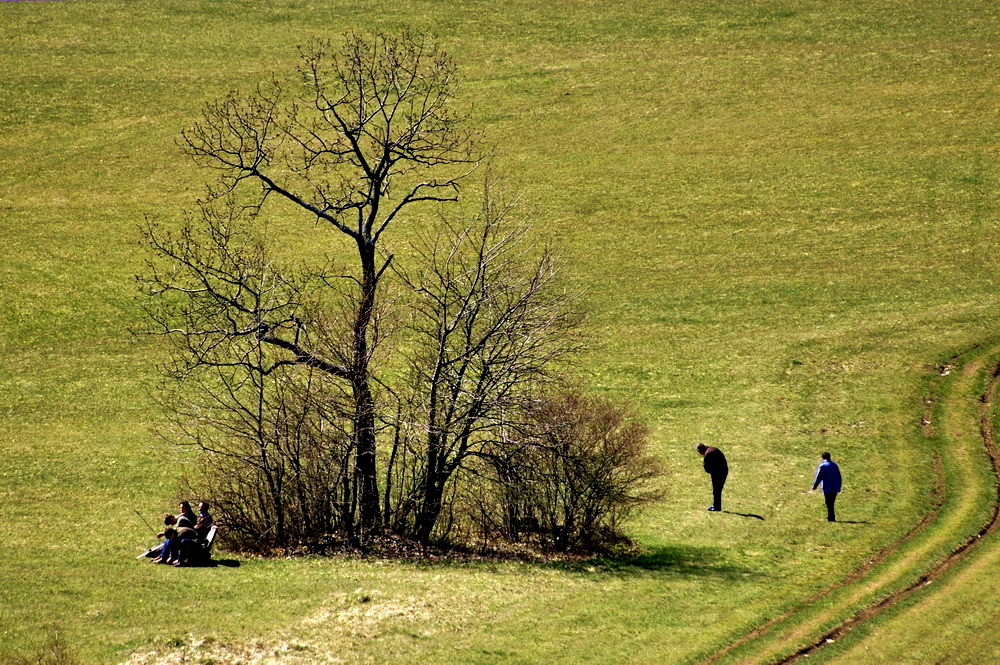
(714, 509)
(178, 563)
(158, 559)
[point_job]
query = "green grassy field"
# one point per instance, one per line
(783, 216)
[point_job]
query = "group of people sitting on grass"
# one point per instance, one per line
(185, 535)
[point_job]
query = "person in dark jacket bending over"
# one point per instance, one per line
(828, 473)
(717, 467)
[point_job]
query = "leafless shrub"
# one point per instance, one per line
(280, 475)
(573, 475)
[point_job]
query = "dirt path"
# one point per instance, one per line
(858, 578)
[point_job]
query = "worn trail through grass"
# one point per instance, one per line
(964, 418)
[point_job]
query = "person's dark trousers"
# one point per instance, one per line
(830, 497)
(718, 482)
(190, 551)
(184, 549)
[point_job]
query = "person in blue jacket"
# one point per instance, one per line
(828, 474)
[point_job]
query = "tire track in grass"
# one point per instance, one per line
(988, 436)
(855, 576)
(937, 501)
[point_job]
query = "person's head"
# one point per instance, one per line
(170, 532)
(185, 508)
(825, 456)
(169, 519)
(203, 507)
(701, 448)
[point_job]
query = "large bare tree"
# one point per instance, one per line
(364, 132)
(277, 367)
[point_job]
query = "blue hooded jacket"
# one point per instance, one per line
(828, 473)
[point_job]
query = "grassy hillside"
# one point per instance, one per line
(783, 214)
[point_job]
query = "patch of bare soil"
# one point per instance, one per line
(207, 650)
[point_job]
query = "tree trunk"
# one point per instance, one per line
(430, 508)
(434, 481)
(365, 469)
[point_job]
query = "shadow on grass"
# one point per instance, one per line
(226, 563)
(853, 522)
(683, 560)
(212, 563)
(756, 517)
